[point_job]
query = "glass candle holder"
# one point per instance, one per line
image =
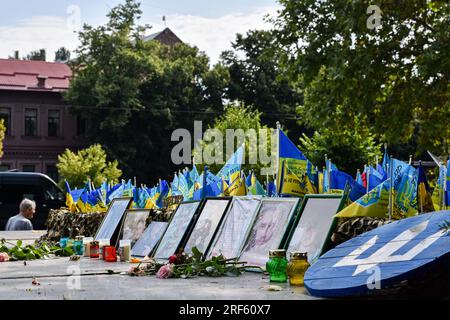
(102, 243)
(94, 249)
(297, 267)
(276, 265)
(63, 242)
(78, 246)
(87, 246)
(125, 250)
(110, 253)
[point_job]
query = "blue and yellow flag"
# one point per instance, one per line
(425, 204)
(255, 187)
(293, 184)
(376, 202)
(237, 186)
(293, 177)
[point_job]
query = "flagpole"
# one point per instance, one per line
(390, 189)
(444, 185)
(329, 176)
(368, 178)
(421, 202)
(278, 185)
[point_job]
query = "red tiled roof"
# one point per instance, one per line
(23, 75)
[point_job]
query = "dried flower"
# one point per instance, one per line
(4, 257)
(166, 271)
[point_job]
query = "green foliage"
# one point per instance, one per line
(395, 77)
(38, 55)
(257, 79)
(62, 55)
(235, 117)
(193, 265)
(347, 149)
(133, 94)
(86, 164)
(31, 252)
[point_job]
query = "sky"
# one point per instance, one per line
(210, 25)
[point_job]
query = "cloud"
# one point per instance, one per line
(38, 32)
(211, 35)
(214, 35)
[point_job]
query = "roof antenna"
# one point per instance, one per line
(164, 20)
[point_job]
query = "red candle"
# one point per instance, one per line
(94, 249)
(110, 253)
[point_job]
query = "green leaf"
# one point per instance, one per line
(19, 243)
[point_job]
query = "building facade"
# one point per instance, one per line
(39, 126)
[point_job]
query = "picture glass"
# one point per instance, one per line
(149, 239)
(268, 230)
(176, 230)
(207, 224)
(134, 225)
(312, 229)
(235, 228)
(113, 218)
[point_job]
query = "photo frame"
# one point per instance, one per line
(110, 226)
(205, 227)
(149, 239)
(175, 234)
(312, 229)
(269, 230)
(235, 227)
(134, 224)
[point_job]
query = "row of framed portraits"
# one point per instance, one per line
(244, 227)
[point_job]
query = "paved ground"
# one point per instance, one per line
(90, 279)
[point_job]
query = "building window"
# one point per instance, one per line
(31, 122)
(53, 123)
(52, 172)
(81, 126)
(5, 114)
(29, 168)
(4, 167)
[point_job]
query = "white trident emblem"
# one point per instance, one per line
(384, 254)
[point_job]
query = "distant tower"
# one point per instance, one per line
(164, 20)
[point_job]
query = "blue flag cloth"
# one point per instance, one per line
(271, 189)
(232, 165)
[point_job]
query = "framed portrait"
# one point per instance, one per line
(175, 234)
(235, 227)
(134, 224)
(209, 218)
(149, 239)
(272, 223)
(314, 224)
(110, 226)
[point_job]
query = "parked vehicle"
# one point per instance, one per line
(15, 186)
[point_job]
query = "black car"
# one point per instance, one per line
(15, 186)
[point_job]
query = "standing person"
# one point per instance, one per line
(22, 221)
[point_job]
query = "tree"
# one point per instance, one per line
(62, 55)
(86, 164)
(236, 117)
(258, 79)
(347, 149)
(394, 76)
(135, 93)
(38, 55)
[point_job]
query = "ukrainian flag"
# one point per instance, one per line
(425, 204)
(376, 202)
(292, 178)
